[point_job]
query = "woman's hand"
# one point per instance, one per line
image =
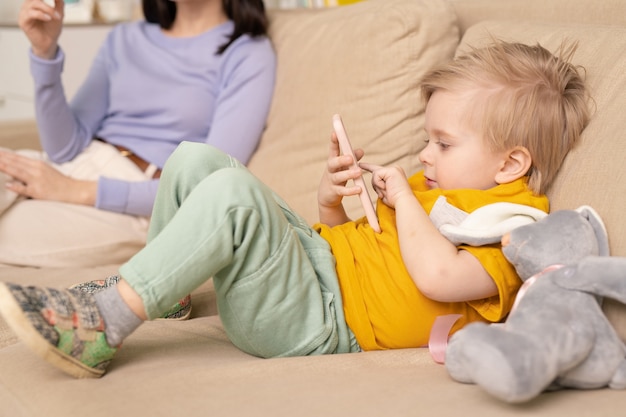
(42, 25)
(333, 185)
(390, 183)
(36, 179)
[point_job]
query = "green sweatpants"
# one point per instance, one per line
(274, 276)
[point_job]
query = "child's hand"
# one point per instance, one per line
(333, 185)
(390, 183)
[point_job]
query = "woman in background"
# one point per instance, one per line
(193, 70)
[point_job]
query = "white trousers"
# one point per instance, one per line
(53, 234)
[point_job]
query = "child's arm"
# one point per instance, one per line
(333, 187)
(438, 268)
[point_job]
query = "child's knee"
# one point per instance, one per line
(199, 159)
(236, 179)
(186, 152)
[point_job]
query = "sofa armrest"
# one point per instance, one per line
(19, 135)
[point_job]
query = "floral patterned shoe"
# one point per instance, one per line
(64, 327)
(179, 311)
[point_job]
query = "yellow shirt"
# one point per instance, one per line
(383, 306)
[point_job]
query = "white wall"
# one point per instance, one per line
(80, 44)
(9, 10)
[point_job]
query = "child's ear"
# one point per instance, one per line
(515, 165)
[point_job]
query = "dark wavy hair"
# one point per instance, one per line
(248, 15)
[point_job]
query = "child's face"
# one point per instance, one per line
(457, 155)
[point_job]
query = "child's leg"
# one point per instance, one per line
(230, 227)
(189, 164)
(275, 280)
(185, 168)
(66, 327)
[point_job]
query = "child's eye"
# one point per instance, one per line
(439, 143)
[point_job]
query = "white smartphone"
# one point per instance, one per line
(346, 149)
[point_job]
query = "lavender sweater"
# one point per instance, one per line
(149, 92)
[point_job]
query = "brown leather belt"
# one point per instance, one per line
(141, 163)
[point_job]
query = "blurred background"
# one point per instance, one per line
(87, 11)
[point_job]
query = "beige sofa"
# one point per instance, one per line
(365, 62)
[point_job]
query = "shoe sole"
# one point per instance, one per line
(21, 325)
(181, 318)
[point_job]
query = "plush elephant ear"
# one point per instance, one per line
(598, 227)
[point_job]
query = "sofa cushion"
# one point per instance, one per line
(19, 134)
(364, 62)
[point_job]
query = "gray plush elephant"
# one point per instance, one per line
(556, 335)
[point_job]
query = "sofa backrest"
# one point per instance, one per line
(365, 62)
(588, 12)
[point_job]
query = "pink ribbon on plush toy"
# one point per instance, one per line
(440, 332)
(530, 281)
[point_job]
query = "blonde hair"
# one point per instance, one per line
(534, 99)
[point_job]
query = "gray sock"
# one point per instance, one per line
(119, 319)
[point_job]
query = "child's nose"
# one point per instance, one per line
(424, 156)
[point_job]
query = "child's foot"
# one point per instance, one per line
(64, 327)
(179, 311)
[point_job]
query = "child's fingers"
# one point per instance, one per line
(340, 163)
(333, 148)
(348, 191)
(342, 177)
(369, 167)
